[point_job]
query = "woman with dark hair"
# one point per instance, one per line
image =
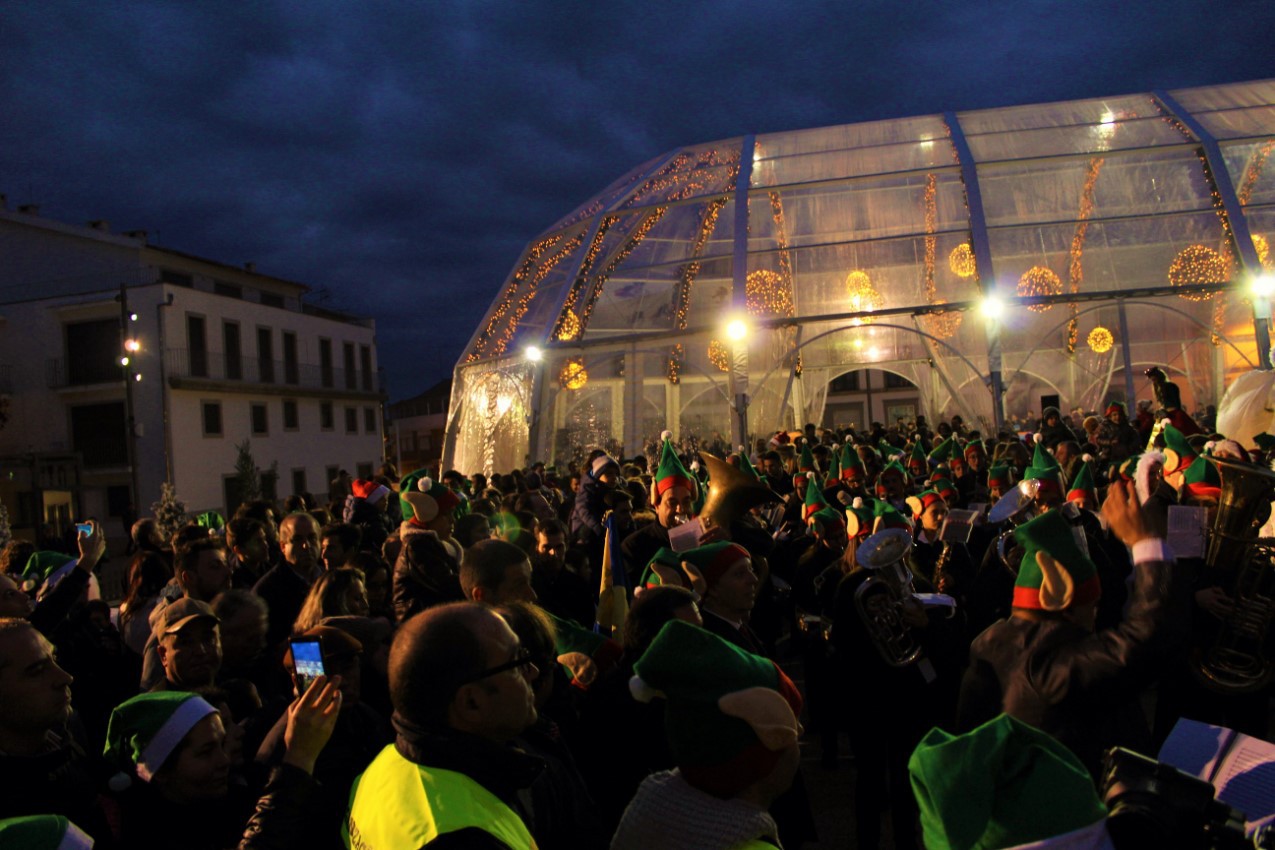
(148, 572)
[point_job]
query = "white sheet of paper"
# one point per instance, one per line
(1186, 530)
(685, 536)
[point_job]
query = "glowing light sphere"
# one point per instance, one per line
(1100, 340)
(942, 325)
(961, 261)
(863, 296)
(719, 355)
(570, 327)
(1197, 264)
(573, 375)
(766, 294)
(1038, 281)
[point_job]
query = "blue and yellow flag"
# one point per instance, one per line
(613, 593)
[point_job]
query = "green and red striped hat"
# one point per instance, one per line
(851, 464)
(815, 501)
(1083, 485)
(1055, 573)
(920, 502)
(1000, 476)
(670, 473)
(1202, 480)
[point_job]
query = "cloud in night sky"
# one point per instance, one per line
(397, 156)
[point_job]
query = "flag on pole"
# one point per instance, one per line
(613, 593)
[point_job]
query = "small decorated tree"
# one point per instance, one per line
(247, 474)
(169, 512)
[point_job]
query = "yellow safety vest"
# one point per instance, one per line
(396, 804)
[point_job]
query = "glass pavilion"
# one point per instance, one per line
(1114, 233)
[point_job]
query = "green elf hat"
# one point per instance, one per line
(941, 472)
(916, 461)
(670, 473)
(740, 461)
(1000, 476)
(1128, 470)
(1003, 784)
(885, 516)
(1055, 574)
(975, 447)
(43, 832)
(730, 714)
(889, 451)
(943, 451)
(145, 730)
(920, 502)
(423, 499)
(815, 501)
(1045, 470)
(1083, 485)
(826, 520)
(834, 465)
(43, 564)
(859, 518)
(583, 653)
(1202, 480)
(709, 563)
(210, 520)
(851, 464)
(946, 489)
(665, 567)
(1178, 454)
(806, 460)
(1264, 442)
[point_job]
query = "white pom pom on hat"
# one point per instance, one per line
(666, 434)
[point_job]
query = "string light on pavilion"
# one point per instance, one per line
(1198, 264)
(1036, 282)
(719, 355)
(573, 375)
(961, 261)
(1263, 249)
(943, 325)
(1100, 340)
(767, 294)
(863, 296)
(570, 327)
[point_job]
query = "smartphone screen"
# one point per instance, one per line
(85, 527)
(307, 660)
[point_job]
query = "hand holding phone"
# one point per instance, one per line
(307, 661)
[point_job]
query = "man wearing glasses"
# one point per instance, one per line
(460, 683)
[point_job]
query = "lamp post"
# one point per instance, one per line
(163, 387)
(131, 347)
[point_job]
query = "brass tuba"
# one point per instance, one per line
(731, 493)
(1236, 661)
(880, 598)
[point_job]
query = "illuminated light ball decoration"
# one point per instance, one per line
(570, 327)
(1196, 264)
(573, 375)
(1263, 249)
(1038, 281)
(942, 325)
(961, 261)
(719, 355)
(863, 295)
(766, 294)
(1100, 340)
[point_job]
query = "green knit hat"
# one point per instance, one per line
(851, 463)
(712, 562)
(1044, 469)
(999, 476)
(665, 567)
(1000, 785)
(943, 451)
(834, 465)
(916, 461)
(145, 730)
(826, 519)
(1083, 485)
(884, 515)
(946, 489)
(670, 473)
(43, 564)
(43, 832)
(422, 498)
(1201, 478)
(896, 467)
(1055, 573)
(815, 501)
(806, 460)
(889, 451)
(730, 713)
(1178, 454)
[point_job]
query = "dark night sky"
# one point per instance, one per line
(399, 155)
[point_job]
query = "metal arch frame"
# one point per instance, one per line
(982, 246)
(1240, 233)
(737, 377)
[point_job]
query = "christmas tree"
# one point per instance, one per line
(170, 512)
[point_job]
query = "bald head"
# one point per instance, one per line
(432, 654)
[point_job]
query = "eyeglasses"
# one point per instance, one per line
(524, 659)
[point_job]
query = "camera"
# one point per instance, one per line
(1152, 804)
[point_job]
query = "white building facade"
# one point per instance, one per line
(223, 355)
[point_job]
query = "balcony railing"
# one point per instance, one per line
(245, 371)
(60, 374)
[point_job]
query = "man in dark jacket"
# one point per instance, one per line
(1046, 666)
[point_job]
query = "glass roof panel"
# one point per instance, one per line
(1113, 134)
(870, 134)
(648, 299)
(882, 159)
(1083, 112)
(606, 197)
(875, 208)
(1125, 184)
(1229, 96)
(1239, 123)
(694, 172)
(1252, 169)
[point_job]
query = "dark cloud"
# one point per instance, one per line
(398, 156)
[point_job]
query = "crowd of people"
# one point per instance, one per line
(418, 661)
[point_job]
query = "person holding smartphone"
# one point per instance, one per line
(72, 582)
